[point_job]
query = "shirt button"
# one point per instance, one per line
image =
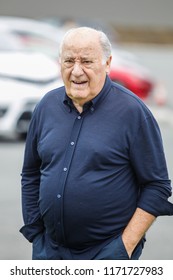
(92, 109)
(65, 169)
(58, 196)
(79, 117)
(72, 143)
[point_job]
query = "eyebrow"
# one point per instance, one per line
(80, 58)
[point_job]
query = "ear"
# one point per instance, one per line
(108, 64)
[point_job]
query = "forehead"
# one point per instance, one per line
(80, 52)
(82, 44)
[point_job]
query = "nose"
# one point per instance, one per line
(77, 69)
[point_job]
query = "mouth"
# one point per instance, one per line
(80, 85)
(79, 82)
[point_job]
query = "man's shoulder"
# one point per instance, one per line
(50, 99)
(52, 95)
(55, 92)
(127, 101)
(123, 91)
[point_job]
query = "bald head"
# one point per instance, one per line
(88, 34)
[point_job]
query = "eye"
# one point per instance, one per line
(87, 63)
(68, 62)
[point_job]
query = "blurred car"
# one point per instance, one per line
(29, 35)
(127, 71)
(24, 79)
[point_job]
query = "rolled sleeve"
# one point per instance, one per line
(153, 203)
(149, 163)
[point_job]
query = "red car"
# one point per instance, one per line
(125, 70)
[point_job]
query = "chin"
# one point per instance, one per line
(79, 94)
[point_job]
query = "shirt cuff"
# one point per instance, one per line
(31, 230)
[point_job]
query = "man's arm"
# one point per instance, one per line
(136, 228)
(30, 181)
(148, 160)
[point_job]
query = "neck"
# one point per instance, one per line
(78, 106)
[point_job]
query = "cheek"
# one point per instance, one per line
(65, 75)
(97, 81)
(97, 77)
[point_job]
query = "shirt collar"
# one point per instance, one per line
(92, 103)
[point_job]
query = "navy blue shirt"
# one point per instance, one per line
(85, 174)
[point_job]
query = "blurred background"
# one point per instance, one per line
(141, 33)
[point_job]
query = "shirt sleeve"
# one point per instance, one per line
(30, 181)
(149, 163)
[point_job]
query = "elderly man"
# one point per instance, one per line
(94, 176)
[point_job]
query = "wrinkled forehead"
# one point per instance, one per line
(82, 44)
(76, 51)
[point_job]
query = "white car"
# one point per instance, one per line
(26, 34)
(24, 79)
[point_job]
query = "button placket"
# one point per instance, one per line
(65, 170)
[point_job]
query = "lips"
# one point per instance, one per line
(79, 82)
